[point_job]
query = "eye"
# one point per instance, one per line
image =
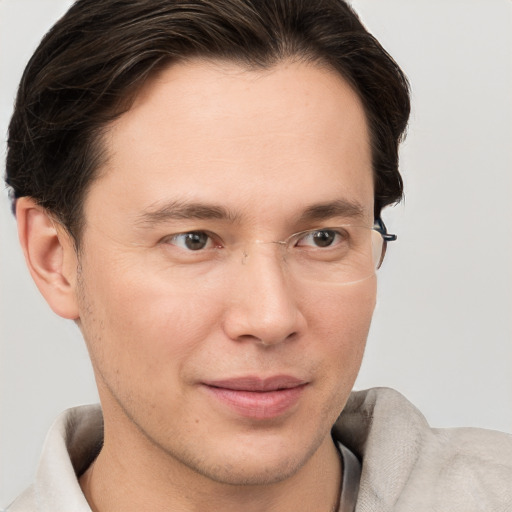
(191, 241)
(322, 238)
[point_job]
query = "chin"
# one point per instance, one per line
(254, 460)
(250, 473)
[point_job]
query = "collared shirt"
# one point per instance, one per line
(406, 465)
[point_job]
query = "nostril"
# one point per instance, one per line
(271, 343)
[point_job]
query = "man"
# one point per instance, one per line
(199, 186)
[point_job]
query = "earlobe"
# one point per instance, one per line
(50, 257)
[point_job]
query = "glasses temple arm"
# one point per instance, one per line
(379, 226)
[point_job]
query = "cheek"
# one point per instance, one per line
(129, 317)
(339, 319)
(344, 311)
(342, 318)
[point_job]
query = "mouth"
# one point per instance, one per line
(255, 397)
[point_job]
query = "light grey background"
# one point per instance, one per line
(442, 332)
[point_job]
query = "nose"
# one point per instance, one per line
(264, 304)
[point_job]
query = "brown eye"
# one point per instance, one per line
(320, 238)
(196, 241)
(192, 241)
(323, 238)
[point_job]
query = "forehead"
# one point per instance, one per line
(216, 131)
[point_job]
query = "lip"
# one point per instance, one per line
(255, 397)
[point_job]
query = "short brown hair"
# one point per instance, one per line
(89, 66)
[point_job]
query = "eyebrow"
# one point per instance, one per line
(337, 208)
(180, 210)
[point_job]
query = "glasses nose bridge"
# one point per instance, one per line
(256, 248)
(260, 254)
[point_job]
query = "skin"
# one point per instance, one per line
(266, 145)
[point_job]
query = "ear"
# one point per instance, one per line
(50, 256)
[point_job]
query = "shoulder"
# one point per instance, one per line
(415, 467)
(475, 463)
(72, 442)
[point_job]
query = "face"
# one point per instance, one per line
(233, 367)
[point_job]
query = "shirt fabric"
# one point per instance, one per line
(406, 465)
